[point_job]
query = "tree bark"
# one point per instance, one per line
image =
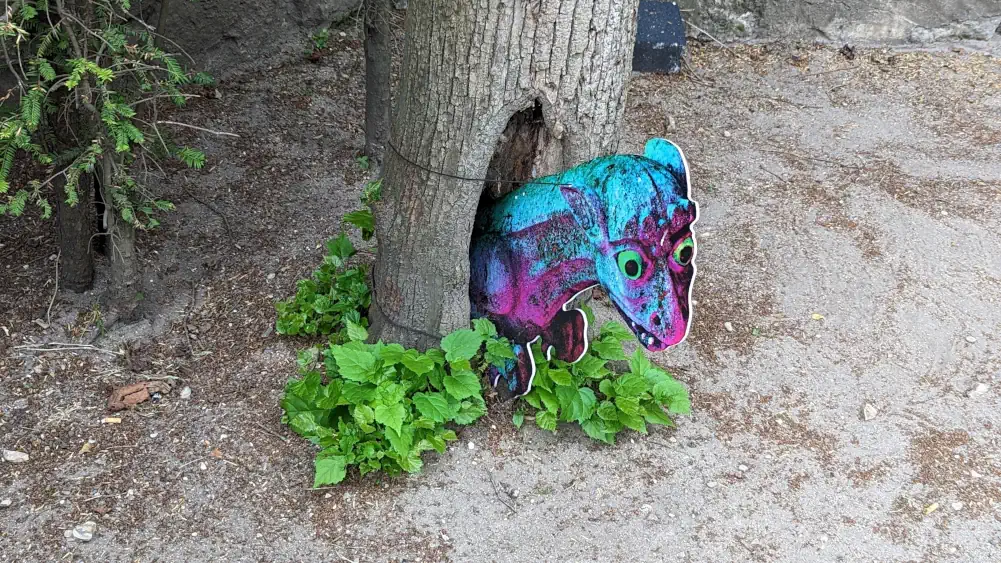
(124, 283)
(378, 58)
(76, 228)
(468, 68)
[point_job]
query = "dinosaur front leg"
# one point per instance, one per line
(517, 372)
(567, 334)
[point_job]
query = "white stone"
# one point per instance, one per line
(971, 339)
(13, 456)
(977, 391)
(5, 503)
(957, 506)
(85, 531)
(186, 393)
(869, 412)
(742, 467)
(728, 326)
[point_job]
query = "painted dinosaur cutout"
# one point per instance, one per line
(623, 222)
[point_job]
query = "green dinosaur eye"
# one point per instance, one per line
(630, 264)
(683, 252)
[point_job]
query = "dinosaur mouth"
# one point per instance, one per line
(646, 338)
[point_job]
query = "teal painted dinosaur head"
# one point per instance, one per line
(638, 213)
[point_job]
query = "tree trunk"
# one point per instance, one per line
(468, 69)
(124, 283)
(76, 228)
(377, 79)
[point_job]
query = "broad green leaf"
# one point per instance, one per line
(425, 423)
(357, 393)
(485, 327)
(498, 351)
(341, 247)
(561, 377)
(519, 418)
(680, 405)
(549, 399)
(411, 463)
(591, 366)
(462, 384)
(607, 388)
(329, 395)
(628, 405)
(616, 331)
(437, 355)
(667, 387)
(607, 411)
(362, 219)
(417, 362)
(583, 405)
(390, 393)
(630, 385)
(609, 349)
(392, 354)
(434, 406)
(400, 440)
(392, 415)
(449, 436)
(565, 396)
(363, 414)
(470, 411)
(546, 420)
(356, 332)
(596, 429)
(654, 414)
(633, 421)
(355, 365)
(639, 364)
(329, 470)
(437, 442)
(461, 345)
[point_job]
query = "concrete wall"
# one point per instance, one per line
(864, 21)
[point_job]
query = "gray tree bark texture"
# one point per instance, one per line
(76, 227)
(377, 79)
(124, 283)
(468, 68)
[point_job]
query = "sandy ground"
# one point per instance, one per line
(849, 254)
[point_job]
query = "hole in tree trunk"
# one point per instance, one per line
(517, 151)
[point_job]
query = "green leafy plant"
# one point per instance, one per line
(88, 82)
(320, 39)
(335, 295)
(382, 406)
(602, 401)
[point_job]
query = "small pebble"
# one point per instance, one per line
(728, 326)
(977, 391)
(957, 506)
(869, 412)
(85, 531)
(5, 503)
(726, 134)
(975, 474)
(472, 446)
(13, 456)
(711, 484)
(971, 339)
(186, 393)
(742, 467)
(202, 466)
(271, 276)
